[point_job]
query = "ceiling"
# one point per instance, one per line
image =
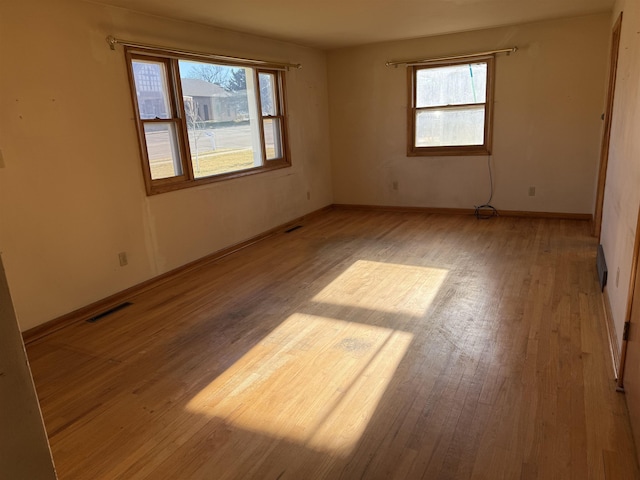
(330, 24)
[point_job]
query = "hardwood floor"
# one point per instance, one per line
(365, 345)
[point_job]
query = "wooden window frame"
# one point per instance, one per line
(454, 150)
(279, 106)
(178, 117)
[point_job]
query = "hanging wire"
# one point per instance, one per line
(487, 206)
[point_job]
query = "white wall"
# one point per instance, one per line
(548, 103)
(622, 191)
(71, 190)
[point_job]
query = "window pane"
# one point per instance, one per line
(151, 89)
(162, 150)
(450, 127)
(217, 150)
(222, 118)
(267, 94)
(451, 85)
(273, 138)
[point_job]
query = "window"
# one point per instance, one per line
(451, 108)
(200, 121)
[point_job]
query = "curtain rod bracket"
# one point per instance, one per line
(111, 40)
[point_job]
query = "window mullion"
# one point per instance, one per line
(276, 93)
(281, 113)
(256, 77)
(181, 116)
(462, 106)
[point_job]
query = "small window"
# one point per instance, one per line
(451, 108)
(200, 122)
(272, 119)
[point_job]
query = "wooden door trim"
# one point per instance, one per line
(630, 301)
(606, 135)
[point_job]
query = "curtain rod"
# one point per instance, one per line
(508, 51)
(112, 41)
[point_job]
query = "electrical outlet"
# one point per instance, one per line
(122, 258)
(395, 185)
(532, 191)
(617, 277)
(308, 195)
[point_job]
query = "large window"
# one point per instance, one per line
(451, 108)
(200, 122)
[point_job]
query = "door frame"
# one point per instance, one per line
(606, 134)
(631, 300)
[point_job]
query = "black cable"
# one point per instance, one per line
(487, 206)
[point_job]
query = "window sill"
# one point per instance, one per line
(165, 186)
(461, 151)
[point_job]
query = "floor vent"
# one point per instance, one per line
(601, 265)
(109, 312)
(293, 228)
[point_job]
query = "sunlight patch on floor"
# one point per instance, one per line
(315, 381)
(318, 381)
(385, 287)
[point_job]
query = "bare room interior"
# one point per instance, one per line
(332, 240)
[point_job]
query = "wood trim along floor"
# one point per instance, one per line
(96, 308)
(464, 211)
(611, 331)
(93, 309)
(391, 208)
